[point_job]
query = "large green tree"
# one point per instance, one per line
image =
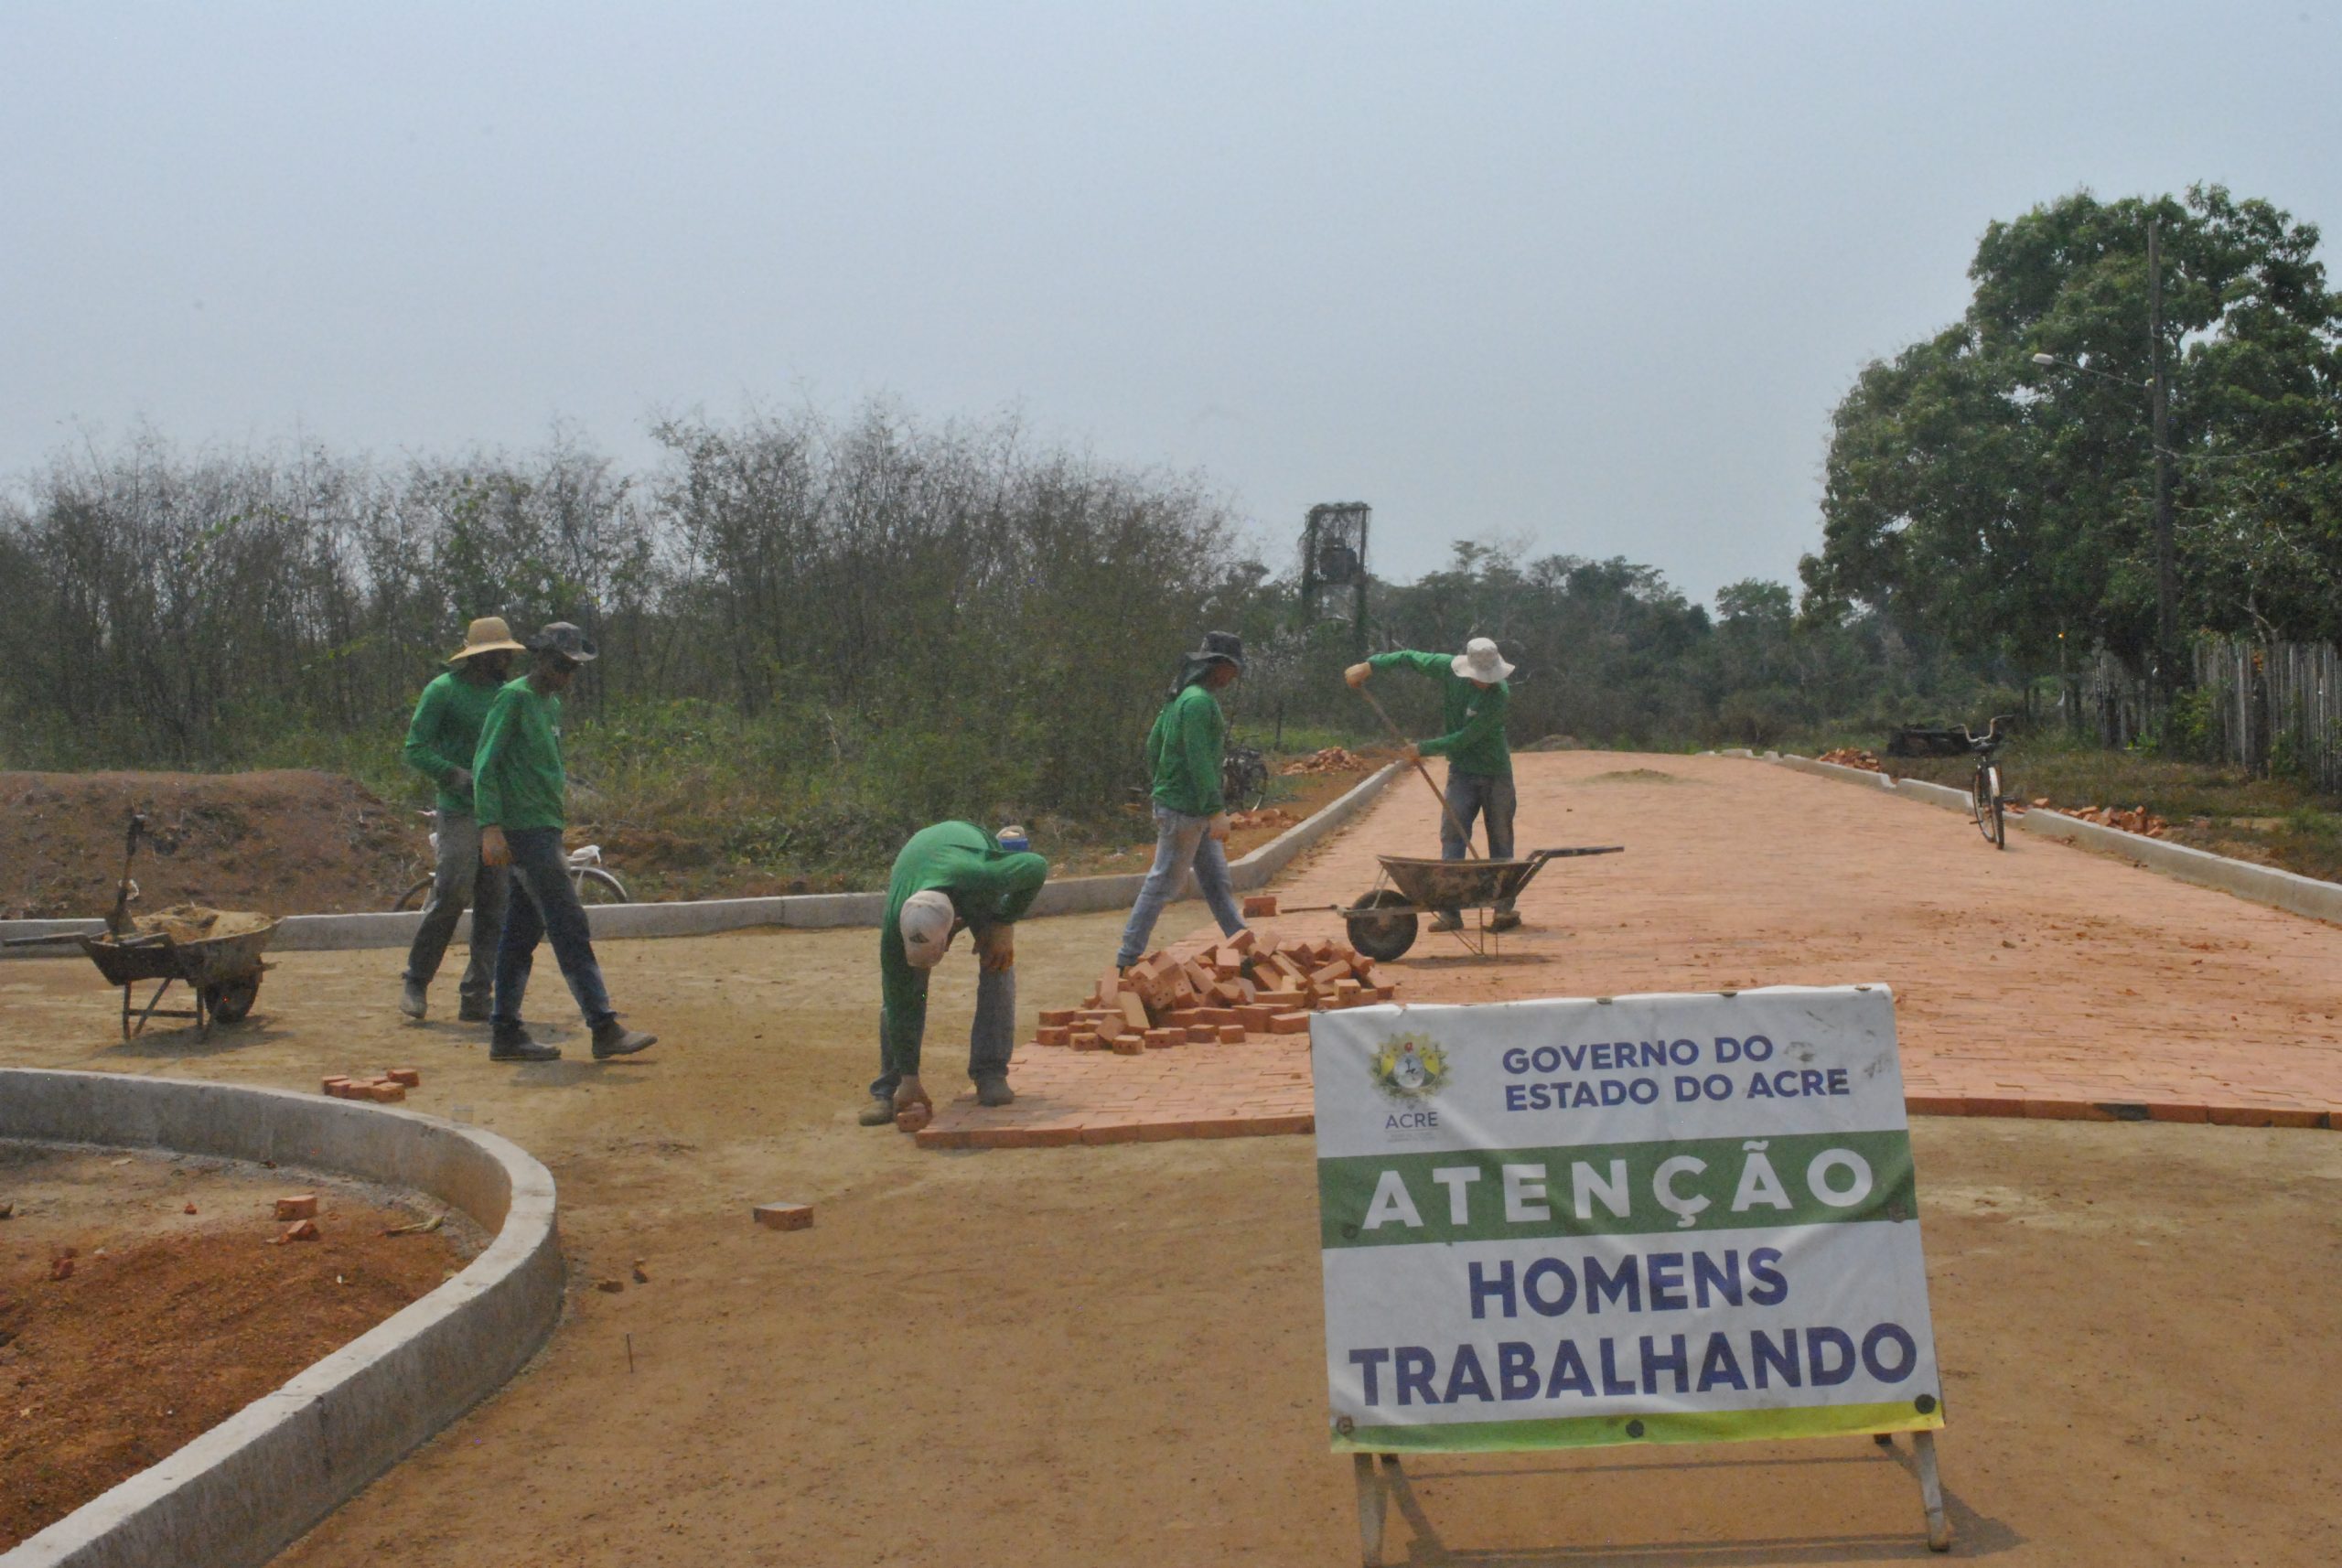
(1979, 498)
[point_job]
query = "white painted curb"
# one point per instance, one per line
(2257, 884)
(807, 911)
(242, 1491)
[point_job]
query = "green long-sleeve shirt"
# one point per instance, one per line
(1474, 741)
(1183, 748)
(445, 732)
(516, 776)
(987, 884)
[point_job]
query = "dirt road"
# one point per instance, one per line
(1112, 1355)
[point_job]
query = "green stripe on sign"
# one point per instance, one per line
(1615, 1189)
(1670, 1426)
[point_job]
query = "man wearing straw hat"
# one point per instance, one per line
(1480, 762)
(439, 745)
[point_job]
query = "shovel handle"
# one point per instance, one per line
(1449, 811)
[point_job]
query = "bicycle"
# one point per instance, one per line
(1243, 777)
(596, 883)
(1985, 801)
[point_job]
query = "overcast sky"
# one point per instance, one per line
(1593, 276)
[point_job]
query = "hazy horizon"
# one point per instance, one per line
(1593, 279)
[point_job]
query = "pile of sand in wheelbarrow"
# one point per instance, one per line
(194, 923)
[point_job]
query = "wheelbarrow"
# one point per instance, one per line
(1383, 922)
(223, 973)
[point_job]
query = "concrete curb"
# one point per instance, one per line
(2256, 883)
(242, 1491)
(809, 911)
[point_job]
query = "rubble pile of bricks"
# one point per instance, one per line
(388, 1087)
(1215, 992)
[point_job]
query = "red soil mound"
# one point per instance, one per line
(284, 842)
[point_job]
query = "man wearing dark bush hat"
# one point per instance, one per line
(1185, 748)
(519, 789)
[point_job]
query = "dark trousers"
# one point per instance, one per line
(545, 905)
(1488, 795)
(457, 877)
(991, 1039)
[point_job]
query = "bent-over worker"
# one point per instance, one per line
(521, 791)
(950, 877)
(1185, 748)
(1480, 762)
(439, 745)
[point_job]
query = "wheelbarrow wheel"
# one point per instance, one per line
(1388, 933)
(229, 1000)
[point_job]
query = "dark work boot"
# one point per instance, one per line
(510, 1043)
(413, 1000)
(995, 1091)
(612, 1039)
(878, 1111)
(471, 1010)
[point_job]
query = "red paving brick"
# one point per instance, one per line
(2042, 982)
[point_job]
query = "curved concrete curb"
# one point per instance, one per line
(2258, 884)
(809, 911)
(240, 1492)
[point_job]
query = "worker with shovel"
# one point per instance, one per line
(1185, 748)
(1479, 762)
(439, 745)
(521, 791)
(950, 876)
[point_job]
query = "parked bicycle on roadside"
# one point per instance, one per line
(1985, 801)
(596, 883)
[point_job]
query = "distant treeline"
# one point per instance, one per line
(901, 618)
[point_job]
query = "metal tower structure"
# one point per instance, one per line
(1333, 557)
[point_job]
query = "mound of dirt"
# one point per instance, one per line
(287, 842)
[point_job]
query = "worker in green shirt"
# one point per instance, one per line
(951, 876)
(1185, 749)
(439, 745)
(520, 789)
(1479, 762)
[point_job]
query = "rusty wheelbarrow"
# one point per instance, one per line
(222, 973)
(1383, 921)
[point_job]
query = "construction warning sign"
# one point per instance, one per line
(1658, 1219)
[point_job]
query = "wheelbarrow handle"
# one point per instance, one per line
(1540, 856)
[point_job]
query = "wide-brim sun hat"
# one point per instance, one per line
(569, 641)
(487, 634)
(1219, 648)
(925, 925)
(1482, 661)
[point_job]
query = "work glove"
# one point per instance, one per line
(1356, 673)
(493, 849)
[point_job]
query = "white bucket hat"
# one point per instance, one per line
(926, 923)
(1482, 661)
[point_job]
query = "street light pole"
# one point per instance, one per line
(2166, 649)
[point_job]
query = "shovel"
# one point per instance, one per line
(1446, 810)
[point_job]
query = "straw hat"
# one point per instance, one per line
(1482, 661)
(487, 634)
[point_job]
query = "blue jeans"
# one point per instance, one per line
(990, 1041)
(1180, 842)
(1485, 795)
(458, 877)
(545, 905)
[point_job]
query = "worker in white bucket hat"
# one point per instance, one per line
(1479, 761)
(950, 875)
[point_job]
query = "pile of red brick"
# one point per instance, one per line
(1332, 759)
(1215, 992)
(2134, 820)
(388, 1087)
(1266, 817)
(1851, 756)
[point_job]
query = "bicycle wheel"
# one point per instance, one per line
(596, 886)
(413, 898)
(2000, 834)
(1980, 801)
